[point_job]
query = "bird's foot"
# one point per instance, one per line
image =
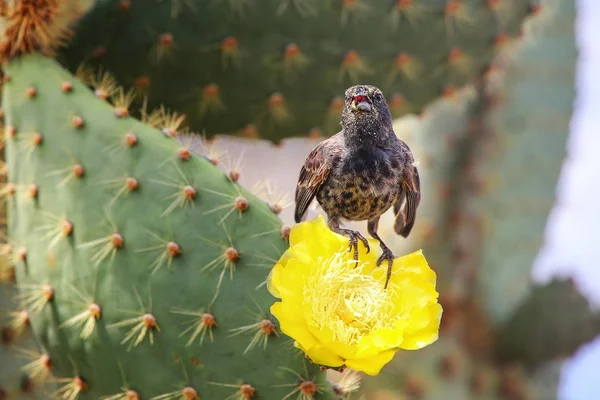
(354, 237)
(386, 255)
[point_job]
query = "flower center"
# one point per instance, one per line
(347, 301)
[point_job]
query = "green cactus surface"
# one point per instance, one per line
(278, 68)
(142, 266)
(519, 160)
(542, 328)
(503, 336)
(16, 341)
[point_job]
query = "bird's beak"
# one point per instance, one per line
(361, 103)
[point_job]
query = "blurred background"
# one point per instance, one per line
(496, 99)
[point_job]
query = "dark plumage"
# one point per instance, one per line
(362, 171)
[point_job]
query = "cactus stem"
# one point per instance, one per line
(33, 296)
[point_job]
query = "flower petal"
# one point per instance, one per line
(294, 330)
(417, 339)
(323, 355)
(371, 365)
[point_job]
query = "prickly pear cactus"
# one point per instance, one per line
(530, 111)
(500, 329)
(276, 68)
(142, 266)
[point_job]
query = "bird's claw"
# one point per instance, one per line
(386, 255)
(354, 237)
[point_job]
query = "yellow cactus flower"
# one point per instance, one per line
(339, 314)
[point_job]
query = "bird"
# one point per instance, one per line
(361, 172)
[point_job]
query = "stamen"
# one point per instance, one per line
(349, 303)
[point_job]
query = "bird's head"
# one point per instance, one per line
(365, 104)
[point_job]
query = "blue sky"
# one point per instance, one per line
(573, 234)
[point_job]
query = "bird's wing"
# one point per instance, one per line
(410, 184)
(313, 173)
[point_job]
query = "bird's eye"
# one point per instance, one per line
(378, 96)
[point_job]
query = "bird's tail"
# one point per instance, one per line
(402, 226)
(405, 210)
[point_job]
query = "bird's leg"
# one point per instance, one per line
(353, 236)
(386, 253)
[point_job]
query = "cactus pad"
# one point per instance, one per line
(141, 264)
(276, 68)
